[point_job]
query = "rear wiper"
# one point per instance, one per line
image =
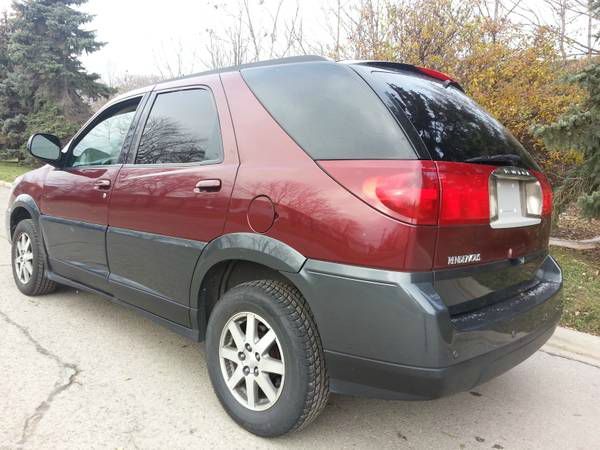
(508, 158)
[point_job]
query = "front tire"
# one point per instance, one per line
(29, 260)
(265, 358)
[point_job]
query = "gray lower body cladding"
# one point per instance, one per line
(390, 335)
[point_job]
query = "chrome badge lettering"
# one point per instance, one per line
(464, 259)
(514, 171)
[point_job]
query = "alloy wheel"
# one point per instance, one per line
(24, 258)
(251, 360)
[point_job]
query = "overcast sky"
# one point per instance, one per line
(142, 34)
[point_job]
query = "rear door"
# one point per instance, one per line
(171, 197)
(75, 200)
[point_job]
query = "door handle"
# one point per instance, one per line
(208, 186)
(102, 184)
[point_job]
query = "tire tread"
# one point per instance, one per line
(299, 313)
(42, 284)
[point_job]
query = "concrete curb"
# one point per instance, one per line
(5, 184)
(575, 345)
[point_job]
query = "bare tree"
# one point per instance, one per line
(256, 31)
(569, 17)
(174, 60)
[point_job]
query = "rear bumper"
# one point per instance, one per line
(370, 378)
(389, 335)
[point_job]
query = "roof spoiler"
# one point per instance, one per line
(388, 65)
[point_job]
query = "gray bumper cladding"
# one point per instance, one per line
(389, 334)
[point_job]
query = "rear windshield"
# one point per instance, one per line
(452, 125)
(329, 111)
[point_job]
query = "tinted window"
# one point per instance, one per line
(103, 143)
(452, 125)
(182, 127)
(329, 111)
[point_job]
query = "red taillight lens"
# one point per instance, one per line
(425, 192)
(465, 196)
(406, 190)
(546, 193)
(414, 194)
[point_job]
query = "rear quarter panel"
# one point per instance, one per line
(313, 213)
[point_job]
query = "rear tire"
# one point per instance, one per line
(28, 258)
(296, 364)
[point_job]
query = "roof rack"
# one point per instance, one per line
(269, 62)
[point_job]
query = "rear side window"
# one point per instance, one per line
(452, 125)
(329, 111)
(182, 127)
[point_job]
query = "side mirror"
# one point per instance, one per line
(45, 147)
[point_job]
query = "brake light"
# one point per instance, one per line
(546, 193)
(434, 74)
(405, 189)
(465, 196)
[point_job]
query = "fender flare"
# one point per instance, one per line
(252, 247)
(28, 203)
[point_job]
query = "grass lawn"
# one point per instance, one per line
(9, 170)
(581, 272)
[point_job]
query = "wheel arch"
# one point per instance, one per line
(239, 257)
(23, 207)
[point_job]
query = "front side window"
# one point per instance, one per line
(102, 144)
(183, 127)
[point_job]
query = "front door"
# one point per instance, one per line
(75, 200)
(171, 198)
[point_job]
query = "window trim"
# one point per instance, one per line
(141, 125)
(100, 116)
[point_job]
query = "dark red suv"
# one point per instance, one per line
(360, 228)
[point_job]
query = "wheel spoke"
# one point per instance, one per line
(264, 382)
(229, 353)
(237, 335)
(236, 377)
(246, 364)
(28, 267)
(250, 329)
(271, 365)
(251, 391)
(265, 342)
(28, 256)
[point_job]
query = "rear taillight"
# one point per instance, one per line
(405, 189)
(430, 193)
(546, 193)
(465, 196)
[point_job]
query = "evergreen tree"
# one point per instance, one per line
(580, 129)
(12, 121)
(47, 39)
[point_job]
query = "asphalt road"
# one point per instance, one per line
(77, 371)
